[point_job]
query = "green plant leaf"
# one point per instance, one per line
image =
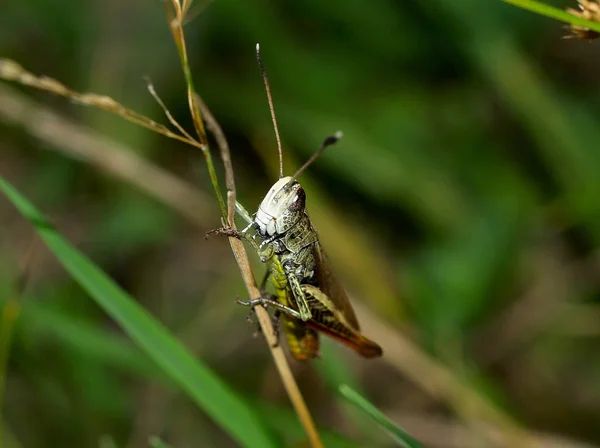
(554, 13)
(405, 439)
(205, 388)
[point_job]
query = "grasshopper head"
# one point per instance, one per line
(281, 208)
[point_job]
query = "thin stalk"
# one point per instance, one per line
(176, 20)
(195, 103)
(241, 257)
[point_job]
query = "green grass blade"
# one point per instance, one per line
(405, 439)
(554, 13)
(86, 340)
(205, 388)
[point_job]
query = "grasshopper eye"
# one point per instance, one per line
(299, 200)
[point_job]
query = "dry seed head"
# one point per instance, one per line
(12, 71)
(589, 10)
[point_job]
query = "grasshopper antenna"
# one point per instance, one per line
(263, 72)
(331, 140)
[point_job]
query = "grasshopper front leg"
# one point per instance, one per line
(241, 211)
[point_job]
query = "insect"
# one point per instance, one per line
(307, 293)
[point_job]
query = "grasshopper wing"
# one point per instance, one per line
(329, 284)
(329, 320)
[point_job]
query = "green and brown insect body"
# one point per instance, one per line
(292, 261)
(287, 233)
(306, 289)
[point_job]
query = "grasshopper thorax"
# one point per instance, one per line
(281, 209)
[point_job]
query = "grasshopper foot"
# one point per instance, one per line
(264, 301)
(250, 318)
(225, 231)
(275, 320)
(251, 315)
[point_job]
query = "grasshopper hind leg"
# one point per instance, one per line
(300, 298)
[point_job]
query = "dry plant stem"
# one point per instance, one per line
(241, 257)
(176, 18)
(170, 117)
(77, 142)
(442, 384)
(191, 14)
(280, 361)
(213, 126)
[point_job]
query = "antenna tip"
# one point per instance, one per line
(332, 139)
(257, 47)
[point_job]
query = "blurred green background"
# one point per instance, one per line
(461, 208)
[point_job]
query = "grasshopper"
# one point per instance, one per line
(308, 294)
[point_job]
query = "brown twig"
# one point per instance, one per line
(176, 17)
(241, 257)
(215, 129)
(283, 367)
